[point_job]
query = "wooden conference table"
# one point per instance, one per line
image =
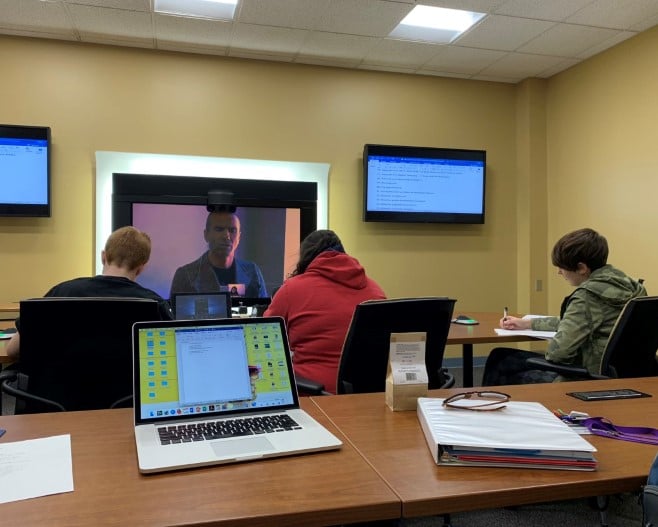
(394, 445)
(327, 488)
(482, 333)
(383, 471)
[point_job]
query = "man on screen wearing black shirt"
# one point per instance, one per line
(218, 269)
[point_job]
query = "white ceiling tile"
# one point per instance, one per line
(246, 54)
(602, 46)
(645, 23)
(499, 78)
(556, 10)
(320, 61)
(557, 68)
(619, 14)
(375, 18)
(199, 31)
(515, 64)
(63, 35)
(567, 40)
(184, 47)
(503, 32)
(128, 5)
(549, 36)
(34, 14)
(327, 45)
(463, 60)
(392, 69)
(443, 74)
(298, 14)
(130, 42)
(273, 39)
(400, 53)
(94, 21)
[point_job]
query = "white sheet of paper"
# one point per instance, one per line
(546, 335)
(36, 467)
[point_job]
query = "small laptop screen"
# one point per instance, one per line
(202, 305)
(185, 368)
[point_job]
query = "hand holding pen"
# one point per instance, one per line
(508, 322)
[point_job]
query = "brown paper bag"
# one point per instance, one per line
(406, 377)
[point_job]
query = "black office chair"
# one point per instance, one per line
(631, 348)
(75, 353)
(364, 359)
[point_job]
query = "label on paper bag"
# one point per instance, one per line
(407, 358)
(406, 379)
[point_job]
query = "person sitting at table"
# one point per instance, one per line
(126, 253)
(587, 315)
(317, 302)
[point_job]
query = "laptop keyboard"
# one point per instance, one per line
(208, 430)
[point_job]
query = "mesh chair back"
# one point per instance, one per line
(632, 346)
(78, 351)
(364, 359)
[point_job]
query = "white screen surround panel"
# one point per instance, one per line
(108, 163)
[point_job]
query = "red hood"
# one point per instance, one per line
(340, 268)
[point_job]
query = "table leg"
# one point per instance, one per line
(467, 365)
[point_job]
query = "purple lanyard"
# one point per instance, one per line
(601, 426)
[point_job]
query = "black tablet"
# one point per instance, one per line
(606, 395)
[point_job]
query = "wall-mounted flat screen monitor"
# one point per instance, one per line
(274, 216)
(24, 170)
(423, 185)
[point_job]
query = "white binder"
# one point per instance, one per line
(523, 434)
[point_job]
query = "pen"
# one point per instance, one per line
(505, 313)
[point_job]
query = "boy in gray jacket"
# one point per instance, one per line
(586, 318)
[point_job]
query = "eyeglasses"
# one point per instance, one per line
(477, 401)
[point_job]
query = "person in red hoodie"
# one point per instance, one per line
(317, 302)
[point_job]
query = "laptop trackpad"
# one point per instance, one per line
(241, 447)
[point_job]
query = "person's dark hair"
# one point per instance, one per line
(314, 244)
(584, 245)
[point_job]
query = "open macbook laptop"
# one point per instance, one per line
(192, 306)
(217, 391)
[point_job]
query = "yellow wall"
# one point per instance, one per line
(602, 137)
(576, 150)
(132, 100)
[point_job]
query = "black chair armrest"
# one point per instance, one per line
(447, 378)
(538, 363)
(124, 402)
(309, 386)
(7, 377)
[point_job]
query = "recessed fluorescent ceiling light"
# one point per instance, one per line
(218, 9)
(435, 24)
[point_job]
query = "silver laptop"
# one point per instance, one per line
(217, 391)
(193, 306)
